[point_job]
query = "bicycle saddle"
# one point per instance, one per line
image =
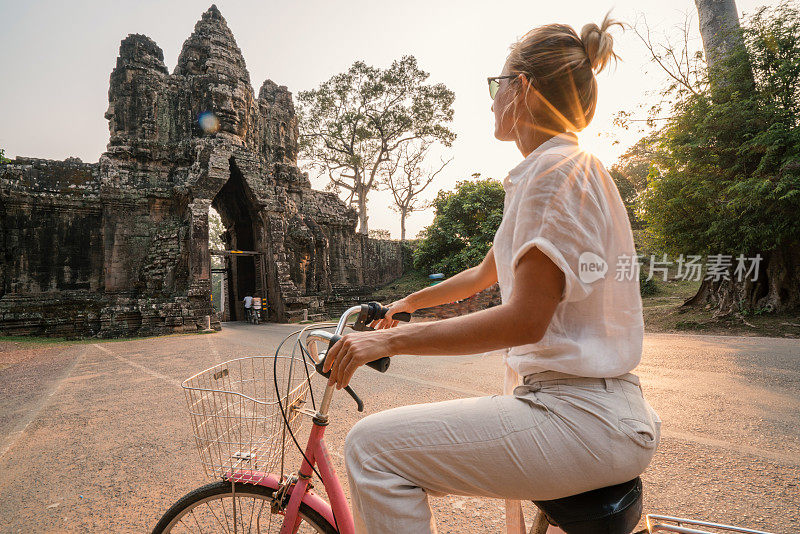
(610, 510)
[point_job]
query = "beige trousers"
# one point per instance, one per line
(556, 435)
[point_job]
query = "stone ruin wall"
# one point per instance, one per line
(120, 247)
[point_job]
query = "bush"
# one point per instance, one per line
(463, 228)
(646, 287)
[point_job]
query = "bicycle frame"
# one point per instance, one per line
(316, 452)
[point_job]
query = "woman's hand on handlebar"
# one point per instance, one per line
(351, 352)
(398, 306)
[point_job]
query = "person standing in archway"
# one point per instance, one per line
(248, 307)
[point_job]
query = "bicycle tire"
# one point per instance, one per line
(221, 489)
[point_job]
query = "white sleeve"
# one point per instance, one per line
(559, 215)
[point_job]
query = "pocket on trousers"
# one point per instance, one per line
(642, 433)
(643, 425)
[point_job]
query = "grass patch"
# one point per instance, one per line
(42, 340)
(405, 285)
(32, 341)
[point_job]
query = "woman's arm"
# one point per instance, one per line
(463, 285)
(538, 286)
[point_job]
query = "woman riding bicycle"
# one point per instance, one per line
(572, 326)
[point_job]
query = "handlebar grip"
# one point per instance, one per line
(401, 316)
(381, 364)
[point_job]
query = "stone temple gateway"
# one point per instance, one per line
(121, 246)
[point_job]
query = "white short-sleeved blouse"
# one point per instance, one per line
(562, 200)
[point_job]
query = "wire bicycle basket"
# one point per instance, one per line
(236, 414)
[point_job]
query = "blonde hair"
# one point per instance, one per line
(560, 65)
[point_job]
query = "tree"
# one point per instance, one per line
(728, 171)
(3, 158)
(353, 123)
(407, 178)
(631, 174)
(722, 40)
(684, 67)
(216, 229)
(463, 228)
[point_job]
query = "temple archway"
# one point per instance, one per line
(242, 259)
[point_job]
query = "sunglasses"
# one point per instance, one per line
(494, 83)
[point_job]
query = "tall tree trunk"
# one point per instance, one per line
(363, 227)
(777, 287)
(403, 215)
(722, 38)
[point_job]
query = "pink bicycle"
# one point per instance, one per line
(245, 411)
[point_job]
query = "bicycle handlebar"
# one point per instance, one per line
(367, 313)
(373, 311)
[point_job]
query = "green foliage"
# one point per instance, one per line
(215, 230)
(410, 282)
(408, 247)
(727, 166)
(754, 312)
(353, 123)
(3, 158)
(647, 287)
(463, 228)
(631, 174)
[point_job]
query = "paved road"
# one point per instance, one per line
(93, 437)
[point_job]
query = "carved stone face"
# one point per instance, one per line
(109, 115)
(231, 103)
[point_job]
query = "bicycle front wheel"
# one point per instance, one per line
(211, 509)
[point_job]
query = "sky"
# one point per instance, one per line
(57, 57)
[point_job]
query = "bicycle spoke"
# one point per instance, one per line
(250, 523)
(225, 513)
(227, 530)
(241, 512)
(269, 527)
(199, 528)
(213, 514)
(258, 519)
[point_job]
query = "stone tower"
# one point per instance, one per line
(121, 246)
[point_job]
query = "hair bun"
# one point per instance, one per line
(598, 43)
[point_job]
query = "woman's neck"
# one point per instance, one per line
(534, 138)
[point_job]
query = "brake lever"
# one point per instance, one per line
(373, 311)
(319, 366)
(352, 393)
(365, 316)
